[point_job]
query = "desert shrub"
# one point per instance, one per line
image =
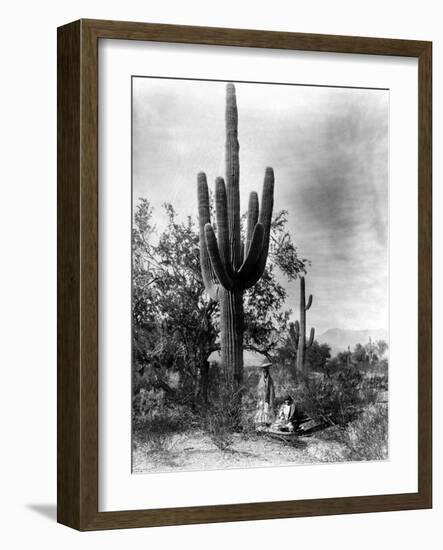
(317, 357)
(155, 431)
(377, 382)
(366, 438)
(160, 427)
(248, 424)
(146, 400)
(335, 399)
(285, 382)
(223, 417)
(320, 401)
(219, 429)
(379, 368)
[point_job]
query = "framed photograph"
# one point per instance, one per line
(244, 274)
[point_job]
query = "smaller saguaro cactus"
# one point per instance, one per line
(293, 339)
(303, 343)
(349, 356)
(370, 347)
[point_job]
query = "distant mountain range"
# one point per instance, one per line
(339, 339)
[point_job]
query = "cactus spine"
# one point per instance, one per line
(303, 343)
(228, 265)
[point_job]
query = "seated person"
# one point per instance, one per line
(287, 416)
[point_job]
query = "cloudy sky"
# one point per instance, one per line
(329, 150)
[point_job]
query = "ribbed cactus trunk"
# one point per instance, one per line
(231, 335)
(231, 301)
(303, 343)
(230, 266)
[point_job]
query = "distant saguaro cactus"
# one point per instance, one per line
(303, 344)
(230, 266)
(293, 339)
(349, 356)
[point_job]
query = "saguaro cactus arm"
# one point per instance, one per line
(309, 304)
(233, 174)
(221, 209)
(216, 261)
(294, 333)
(254, 252)
(311, 338)
(254, 274)
(252, 219)
(208, 275)
(297, 329)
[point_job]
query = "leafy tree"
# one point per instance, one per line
(173, 327)
(317, 356)
(286, 354)
(359, 354)
(266, 323)
(175, 323)
(382, 348)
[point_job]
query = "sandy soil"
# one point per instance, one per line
(196, 451)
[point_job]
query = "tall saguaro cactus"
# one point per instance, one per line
(230, 266)
(303, 343)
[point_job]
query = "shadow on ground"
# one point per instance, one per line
(49, 511)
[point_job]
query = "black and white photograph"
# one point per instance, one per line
(219, 284)
(219, 275)
(260, 274)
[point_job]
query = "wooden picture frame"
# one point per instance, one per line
(78, 274)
